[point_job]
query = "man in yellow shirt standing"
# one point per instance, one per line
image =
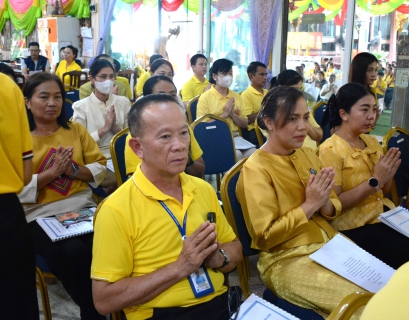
(153, 235)
(198, 83)
(253, 96)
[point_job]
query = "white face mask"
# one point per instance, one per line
(225, 81)
(104, 87)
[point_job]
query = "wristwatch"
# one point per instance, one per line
(226, 258)
(76, 170)
(374, 183)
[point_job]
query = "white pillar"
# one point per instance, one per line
(349, 39)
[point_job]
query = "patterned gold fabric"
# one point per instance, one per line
(292, 275)
(353, 167)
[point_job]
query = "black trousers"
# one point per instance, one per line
(17, 267)
(383, 242)
(70, 261)
(215, 309)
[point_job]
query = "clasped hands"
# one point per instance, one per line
(62, 161)
(229, 109)
(201, 246)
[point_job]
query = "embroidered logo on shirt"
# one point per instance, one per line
(62, 184)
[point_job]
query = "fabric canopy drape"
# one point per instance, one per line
(264, 18)
(24, 13)
(191, 5)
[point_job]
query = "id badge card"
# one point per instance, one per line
(200, 282)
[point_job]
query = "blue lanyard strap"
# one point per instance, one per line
(181, 230)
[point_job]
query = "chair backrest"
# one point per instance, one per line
(260, 136)
(71, 96)
(117, 147)
(192, 108)
(75, 79)
(21, 81)
(216, 141)
(318, 113)
(129, 74)
(234, 215)
(349, 305)
(398, 137)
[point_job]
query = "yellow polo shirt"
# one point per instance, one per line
(135, 236)
(132, 160)
(141, 82)
(127, 86)
(252, 102)
(63, 68)
(382, 85)
(16, 144)
(193, 88)
(212, 102)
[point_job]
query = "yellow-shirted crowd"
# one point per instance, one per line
(162, 245)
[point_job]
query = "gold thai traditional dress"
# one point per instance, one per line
(271, 189)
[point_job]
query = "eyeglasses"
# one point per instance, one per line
(69, 222)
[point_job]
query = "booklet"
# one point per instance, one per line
(397, 219)
(348, 260)
(242, 144)
(257, 308)
(64, 226)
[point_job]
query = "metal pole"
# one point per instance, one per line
(284, 31)
(160, 17)
(208, 29)
(349, 39)
(201, 12)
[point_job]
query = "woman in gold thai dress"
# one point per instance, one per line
(287, 198)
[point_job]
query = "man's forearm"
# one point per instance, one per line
(239, 121)
(133, 291)
(234, 251)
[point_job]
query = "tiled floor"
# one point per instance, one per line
(63, 308)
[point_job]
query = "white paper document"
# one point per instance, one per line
(353, 263)
(398, 219)
(257, 308)
(242, 144)
(110, 165)
(57, 231)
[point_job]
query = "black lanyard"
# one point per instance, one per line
(181, 230)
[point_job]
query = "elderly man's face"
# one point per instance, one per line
(164, 143)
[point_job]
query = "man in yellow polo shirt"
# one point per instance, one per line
(153, 233)
(198, 83)
(253, 96)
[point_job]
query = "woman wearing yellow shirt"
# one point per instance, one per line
(66, 159)
(363, 175)
(287, 198)
(68, 64)
(363, 70)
